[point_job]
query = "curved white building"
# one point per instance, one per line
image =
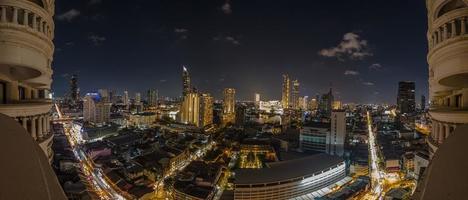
(26, 50)
(304, 178)
(448, 67)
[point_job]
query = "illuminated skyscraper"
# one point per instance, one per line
(125, 98)
(137, 98)
(186, 86)
(190, 109)
(285, 91)
(257, 99)
(295, 95)
(152, 97)
(95, 109)
(229, 105)
(337, 133)
(206, 110)
(326, 103)
(104, 93)
(406, 100)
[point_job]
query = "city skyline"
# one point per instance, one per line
(239, 55)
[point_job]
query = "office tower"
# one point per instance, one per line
(285, 92)
(313, 104)
(326, 103)
(125, 98)
(104, 93)
(300, 103)
(295, 95)
(257, 100)
(26, 55)
(229, 103)
(74, 93)
(186, 86)
(337, 105)
(152, 97)
(423, 102)
(337, 133)
(137, 98)
(112, 96)
(406, 100)
(95, 109)
(206, 110)
(447, 58)
(190, 109)
(240, 115)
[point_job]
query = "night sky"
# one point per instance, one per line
(362, 48)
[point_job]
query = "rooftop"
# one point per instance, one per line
(284, 170)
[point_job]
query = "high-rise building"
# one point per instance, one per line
(190, 109)
(423, 102)
(313, 104)
(186, 86)
(448, 65)
(326, 103)
(406, 100)
(74, 93)
(137, 100)
(152, 97)
(295, 95)
(286, 90)
(26, 55)
(104, 93)
(125, 98)
(206, 110)
(240, 115)
(337, 133)
(229, 106)
(95, 109)
(257, 100)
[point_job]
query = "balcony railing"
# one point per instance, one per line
(26, 108)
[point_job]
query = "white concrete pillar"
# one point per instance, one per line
(39, 127)
(15, 15)
(24, 122)
(441, 133)
(33, 128)
(445, 30)
(447, 131)
(3, 14)
(34, 21)
(44, 125)
(463, 26)
(26, 18)
(435, 130)
(454, 29)
(48, 123)
(41, 25)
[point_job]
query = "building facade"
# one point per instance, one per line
(95, 109)
(406, 101)
(286, 90)
(190, 109)
(337, 133)
(206, 110)
(186, 86)
(229, 106)
(152, 97)
(26, 54)
(295, 95)
(448, 68)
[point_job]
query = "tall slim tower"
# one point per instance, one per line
(190, 109)
(74, 94)
(186, 86)
(137, 98)
(125, 98)
(295, 95)
(26, 54)
(229, 105)
(335, 145)
(206, 110)
(152, 97)
(447, 37)
(285, 92)
(406, 101)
